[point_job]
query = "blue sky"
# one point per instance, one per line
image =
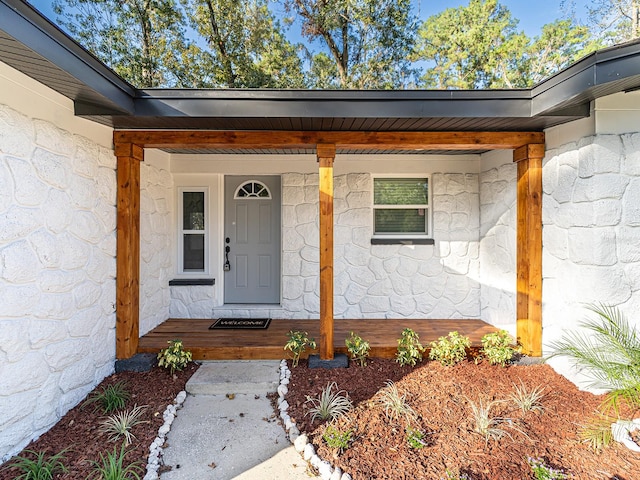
(533, 14)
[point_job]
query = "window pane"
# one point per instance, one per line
(193, 211)
(400, 191)
(394, 220)
(193, 252)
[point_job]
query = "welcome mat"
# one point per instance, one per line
(240, 323)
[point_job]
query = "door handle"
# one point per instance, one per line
(227, 265)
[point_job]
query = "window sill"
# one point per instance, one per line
(180, 282)
(401, 241)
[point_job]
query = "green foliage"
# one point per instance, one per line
(112, 467)
(42, 467)
(485, 424)
(336, 439)
(409, 348)
(415, 438)
(395, 405)
(496, 347)
(450, 350)
(358, 348)
(366, 42)
(543, 472)
(298, 343)
(110, 398)
(609, 350)
(121, 424)
(528, 400)
(174, 357)
(330, 405)
(454, 476)
(597, 432)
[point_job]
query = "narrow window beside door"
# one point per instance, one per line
(401, 207)
(193, 231)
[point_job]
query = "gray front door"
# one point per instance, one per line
(252, 239)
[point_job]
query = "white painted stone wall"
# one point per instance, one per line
(498, 185)
(156, 239)
(382, 281)
(57, 270)
(591, 215)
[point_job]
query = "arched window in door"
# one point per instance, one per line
(252, 189)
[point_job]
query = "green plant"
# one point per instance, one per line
(330, 405)
(174, 357)
(609, 348)
(358, 349)
(409, 348)
(112, 467)
(395, 405)
(110, 398)
(527, 400)
(336, 439)
(42, 467)
(543, 472)
(450, 350)
(297, 344)
(121, 424)
(597, 432)
(415, 438)
(484, 423)
(496, 347)
(454, 476)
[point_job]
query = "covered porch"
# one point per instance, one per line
(130, 145)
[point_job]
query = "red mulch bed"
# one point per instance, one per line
(78, 429)
(440, 396)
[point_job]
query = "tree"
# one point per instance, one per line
(130, 36)
(246, 45)
(613, 21)
(367, 41)
(470, 47)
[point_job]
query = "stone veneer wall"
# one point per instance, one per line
(382, 281)
(57, 273)
(498, 208)
(591, 215)
(156, 245)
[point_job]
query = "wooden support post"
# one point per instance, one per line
(326, 154)
(128, 250)
(529, 248)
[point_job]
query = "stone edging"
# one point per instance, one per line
(300, 441)
(155, 449)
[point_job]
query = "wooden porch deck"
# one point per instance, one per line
(382, 334)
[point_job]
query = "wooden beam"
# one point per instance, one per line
(128, 250)
(529, 248)
(326, 155)
(204, 139)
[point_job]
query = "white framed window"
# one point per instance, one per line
(401, 207)
(193, 229)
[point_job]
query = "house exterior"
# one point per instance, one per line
(63, 117)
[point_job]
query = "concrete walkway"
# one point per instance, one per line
(227, 428)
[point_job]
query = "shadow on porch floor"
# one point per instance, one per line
(382, 334)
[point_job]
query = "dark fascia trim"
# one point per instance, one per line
(583, 81)
(28, 26)
(182, 282)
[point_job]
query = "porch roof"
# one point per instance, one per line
(32, 44)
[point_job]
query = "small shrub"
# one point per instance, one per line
(484, 423)
(597, 432)
(358, 349)
(543, 472)
(297, 344)
(112, 467)
(450, 350)
(110, 398)
(527, 400)
(415, 438)
(42, 467)
(456, 476)
(336, 439)
(174, 357)
(409, 348)
(496, 347)
(395, 405)
(330, 405)
(121, 424)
